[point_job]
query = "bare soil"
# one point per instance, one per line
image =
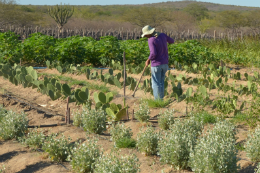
(19, 158)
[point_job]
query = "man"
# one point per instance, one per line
(158, 57)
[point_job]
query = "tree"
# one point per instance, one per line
(252, 20)
(232, 20)
(205, 24)
(61, 14)
(11, 14)
(197, 10)
(142, 16)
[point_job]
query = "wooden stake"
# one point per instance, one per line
(133, 114)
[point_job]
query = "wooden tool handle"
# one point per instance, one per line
(139, 81)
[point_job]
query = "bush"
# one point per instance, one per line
(94, 121)
(216, 152)
(125, 143)
(114, 163)
(58, 149)
(34, 139)
(166, 119)
(257, 170)
(204, 117)
(147, 141)
(2, 169)
(84, 157)
(78, 116)
(13, 125)
(2, 112)
(120, 131)
(143, 114)
(179, 141)
(253, 145)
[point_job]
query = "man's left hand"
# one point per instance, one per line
(147, 62)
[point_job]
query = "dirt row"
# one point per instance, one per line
(18, 158)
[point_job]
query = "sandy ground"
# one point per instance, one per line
(19, 158)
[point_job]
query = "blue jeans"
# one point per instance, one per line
(158, 76)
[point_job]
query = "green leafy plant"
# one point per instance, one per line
(2, 169)
(33, 139)
(84, 157)
(119, 131)
(57, 148)
(253, 145)
(143, 113)
(179, 141)
(94, 121)
(205, 117)
(113, 162)
(257, 170)
(157, 103)
(147, 141)
(166, 119)
(216, 152)
(125, 143)
(13, 125)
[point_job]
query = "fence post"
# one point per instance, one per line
(214, 35)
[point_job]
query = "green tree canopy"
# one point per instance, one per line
(146, 16)
(197, 10)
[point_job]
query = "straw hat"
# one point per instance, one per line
(147, 30)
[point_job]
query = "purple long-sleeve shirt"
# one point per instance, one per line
(159, 49)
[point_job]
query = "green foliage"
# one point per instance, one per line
(83, 157)
(179, 142)
(119, 131)
(10, 47)
(257, 170)
(157, 103)
(13, 125)
(216, 152)
(143, 113)
(197, 10)
(114, 162)
(2, 169)
(34, 138)
(253, 145)
(94, 121)
(125, 143)
(57, 148)
(147, 141)
(204, 117)
(166, 119)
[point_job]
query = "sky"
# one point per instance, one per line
(251, 3)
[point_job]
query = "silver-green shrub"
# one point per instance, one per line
(166, 119)
(78, 116)
(83, 157)
(119, 131)
(179, 141)
(253, 145)
(143, 113)
(147, 141)
(117, 164)
(257, 170)
(33, 139)
(2, 112)
(57, 148)
(13, 125)
(216, 152)
(2, 169)
(94, 121)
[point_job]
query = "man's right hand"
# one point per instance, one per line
(147, 62)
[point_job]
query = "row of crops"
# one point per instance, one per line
(39, 48)
(180, 145)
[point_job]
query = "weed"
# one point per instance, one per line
(157, 103)
(205, 117)
(257, 170)
(125, 143)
